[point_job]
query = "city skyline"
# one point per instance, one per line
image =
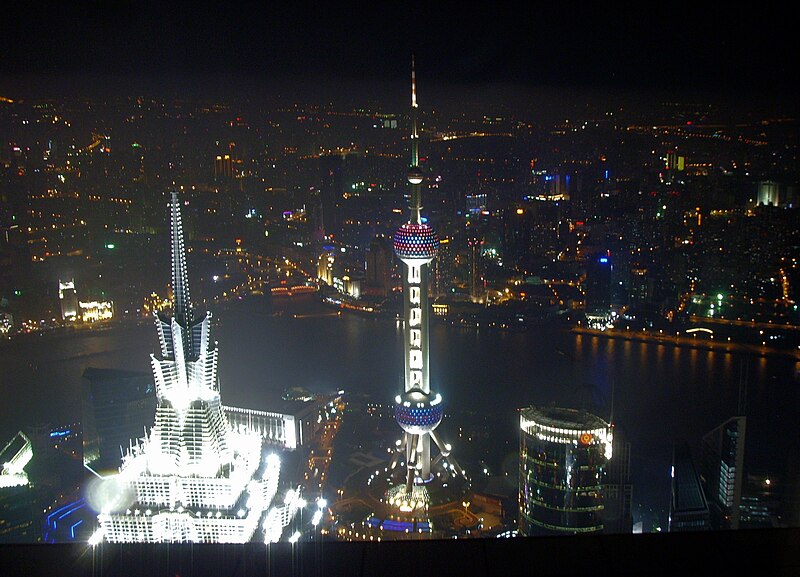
(638, 263)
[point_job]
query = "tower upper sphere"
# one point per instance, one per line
(415, 175)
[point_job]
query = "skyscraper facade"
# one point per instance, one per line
(476, 291)
(722, 472)
(618, 488)
(688, 507)
(377, 268)
(117, 406)
(443, 267)
(562, 463)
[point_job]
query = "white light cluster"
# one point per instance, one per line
(417, 500)
(275, 428)
(315, 520)
(279, 517)
(13, 472)
(13, 480)
(93, 311)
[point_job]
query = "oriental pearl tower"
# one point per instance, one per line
(417, 410)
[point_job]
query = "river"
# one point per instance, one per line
(661, 393)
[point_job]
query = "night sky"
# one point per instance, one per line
(664, 46)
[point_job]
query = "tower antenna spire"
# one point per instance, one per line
(415, 174)
(418, 410)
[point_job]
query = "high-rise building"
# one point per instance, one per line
(118, 408)
(722, 472)
(326, 261)
(6, 322)
(17, 453)
(331, 188)
(418, 410)
(674, 161)
(377, 268)
(618, 488)
(688, 508)
(555, 187)
(194, 477)
(769, 193)
(475, 203)
(476, 291)
(642, 286)
(562, 465)
(223, 167)
(443, 267)
(760, 505)
(597, 285)
(518, 224)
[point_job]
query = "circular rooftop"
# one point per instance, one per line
(562, 418)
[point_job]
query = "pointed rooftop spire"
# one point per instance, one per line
(413, 84)
(180, 281)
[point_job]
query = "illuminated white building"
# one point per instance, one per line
(96, 311)
(69, 300)
(325, 264)
(418, 410)
(195, 477)
(348, 286)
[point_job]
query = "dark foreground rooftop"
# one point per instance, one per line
(774, 552)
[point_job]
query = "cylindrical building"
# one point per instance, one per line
(562, 459)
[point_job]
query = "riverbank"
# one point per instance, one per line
(75, 330)
(692, 341)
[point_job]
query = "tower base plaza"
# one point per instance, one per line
(363, 511)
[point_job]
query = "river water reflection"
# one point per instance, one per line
(661, 393)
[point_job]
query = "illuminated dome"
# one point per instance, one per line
(415, 175)
(415, 241)
(417, 412)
